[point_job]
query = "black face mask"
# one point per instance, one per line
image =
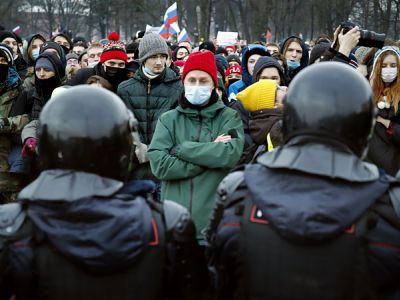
(66, 50)
(231, 81)
(46, 86)
(3, 73)
(114, 72)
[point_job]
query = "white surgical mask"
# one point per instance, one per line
(389, 74)
(92, 64)
(35, 53)
(197, 95)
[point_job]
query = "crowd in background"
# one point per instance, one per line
(199, 112)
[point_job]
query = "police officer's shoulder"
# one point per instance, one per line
(12, 216)
(228, 186)
(177, 217)
(394, 194)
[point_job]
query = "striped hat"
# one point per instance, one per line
(113, 49)
(6, 52)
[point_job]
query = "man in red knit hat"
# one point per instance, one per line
(195, 145)
(111, 66)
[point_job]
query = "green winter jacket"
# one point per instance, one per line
(190, 165)
(14, 125)
(149, 99)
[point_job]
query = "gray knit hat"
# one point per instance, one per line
(151, 44)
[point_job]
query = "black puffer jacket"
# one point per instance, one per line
(384, 147)
(149, 99)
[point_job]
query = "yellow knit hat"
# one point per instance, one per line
(260, 95)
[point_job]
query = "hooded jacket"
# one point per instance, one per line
(303, 209)
(384, 146)
(189, 164)
(41, 96)
(29, 59)
(267, 62)
(102, 233)
(247, 80)
(303, 61)
(29, 81)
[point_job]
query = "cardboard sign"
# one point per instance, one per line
(225, 38)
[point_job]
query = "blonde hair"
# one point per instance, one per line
(392, 91)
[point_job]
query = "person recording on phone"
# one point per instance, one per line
(347, 36)
(196, 144)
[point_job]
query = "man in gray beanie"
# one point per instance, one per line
(153, 90)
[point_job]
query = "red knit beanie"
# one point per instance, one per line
(203, 61)
(230, 47)
(233, 70)
(113, 49)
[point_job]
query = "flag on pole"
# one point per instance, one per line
(170, 26)
(174, 28)
(163, 32)
(183, 36)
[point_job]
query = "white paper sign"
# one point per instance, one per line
(225, 38)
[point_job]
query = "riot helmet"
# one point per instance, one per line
(330, 100)
(88, 129)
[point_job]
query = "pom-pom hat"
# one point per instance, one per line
(114, 49)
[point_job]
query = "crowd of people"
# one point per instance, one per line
(154, 170)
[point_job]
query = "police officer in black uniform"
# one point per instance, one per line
(79, 231)
(311, 220)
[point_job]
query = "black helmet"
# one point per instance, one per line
(330, 100)
(86, 129)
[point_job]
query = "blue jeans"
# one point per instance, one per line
(16, 163)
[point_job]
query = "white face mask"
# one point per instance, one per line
(197, 95)
(35, 53)
(92, 64)
(389, 74)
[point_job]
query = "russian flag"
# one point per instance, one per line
(183, 36)
(164, 32)
(171, 15)
(174, 28)
(170, 26)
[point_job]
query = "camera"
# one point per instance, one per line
(368, 38)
